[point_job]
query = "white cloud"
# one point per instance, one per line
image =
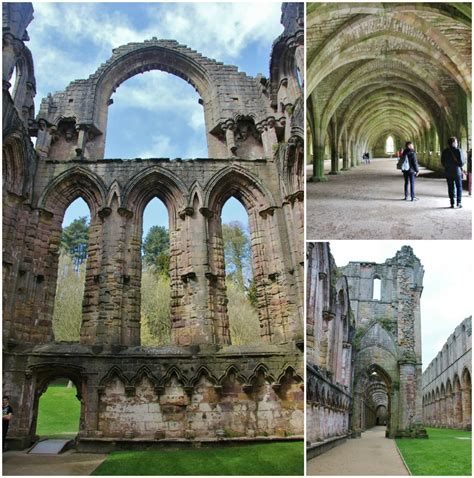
(160, 92)
(161, 147)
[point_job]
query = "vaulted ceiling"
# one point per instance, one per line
(375, 69)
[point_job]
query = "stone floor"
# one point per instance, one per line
(365, 203)
(373, 454)
(19, 463)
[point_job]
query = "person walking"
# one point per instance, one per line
(412, 170)
(7, 415)
(452, 159)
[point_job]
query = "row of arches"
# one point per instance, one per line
(359, 92)
(178, 406)
(114, 263)
(449, 405)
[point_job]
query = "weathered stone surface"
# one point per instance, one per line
(329, 328)
(363, 352)
(200, 387)
(447, 388)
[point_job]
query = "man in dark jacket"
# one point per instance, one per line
(410, 174)
(452, 159)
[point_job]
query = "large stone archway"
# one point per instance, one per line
(255, 141)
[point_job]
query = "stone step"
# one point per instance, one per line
(49, 447)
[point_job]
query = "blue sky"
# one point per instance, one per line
(447, 283)
(154, 114)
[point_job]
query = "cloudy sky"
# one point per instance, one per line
(154, 114)
(447, 285)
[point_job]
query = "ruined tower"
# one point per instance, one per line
(387, 344)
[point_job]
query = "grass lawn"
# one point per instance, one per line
(443, 453)
(59, 412)
(282, 458)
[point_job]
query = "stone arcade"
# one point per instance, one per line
(364, 352)
(447, 388)
(199, 387)
(380, 69)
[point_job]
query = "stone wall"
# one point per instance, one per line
(447, 385)
(200, 387)
(329, 330)
(387, 343)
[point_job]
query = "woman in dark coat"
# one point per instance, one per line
(410, 174)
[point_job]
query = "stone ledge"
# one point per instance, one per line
(317, 449)
(107, 445)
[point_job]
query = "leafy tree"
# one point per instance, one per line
(156, 249)
(237, 252)
(155, 308)
(243, 317)
(67, 316)
(74, 241)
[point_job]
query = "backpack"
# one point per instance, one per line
(403, 163)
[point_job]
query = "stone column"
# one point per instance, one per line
(318, 159)
(334, 149)
(458, 411)
(345, 156)
(466, 408)
(200, 316)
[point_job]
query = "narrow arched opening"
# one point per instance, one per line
(389, 145)
(241, 287)
(155, 115)
(376, 288)
(155, 314)
(59, 410)
(70, 284)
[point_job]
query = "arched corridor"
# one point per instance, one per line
(375, 71)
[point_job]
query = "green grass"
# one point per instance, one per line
(282, 458)
(59, 412)
(441, 454)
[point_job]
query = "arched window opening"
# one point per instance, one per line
(59, 410)
(299, 78)
(67, 316)
(390, 145)
(13, 82)
(377, 289)
(155, 284)
(241, 288)
(155, 115)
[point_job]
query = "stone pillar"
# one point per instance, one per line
(449, 410)
(109, 318)
(345, 156)
(318, 160)
(334, 149)
(199, 303)
(466, 408)
(458, 409)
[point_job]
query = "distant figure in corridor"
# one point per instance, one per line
(413, 170)
(366, 158)
(452, 159)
